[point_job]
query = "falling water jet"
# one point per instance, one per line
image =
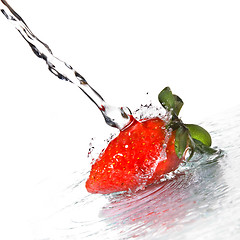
(118, 117)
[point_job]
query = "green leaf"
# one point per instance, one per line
(202, 148)
(167, 99)
(181, 141)
(170, 101)
(199, 134)
(178, 104)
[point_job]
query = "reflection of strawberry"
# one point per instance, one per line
(137, 157)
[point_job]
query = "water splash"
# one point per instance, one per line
(117, 117)
(184, 204)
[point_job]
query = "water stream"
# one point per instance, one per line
(117, 117)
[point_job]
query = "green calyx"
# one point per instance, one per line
(200, 134)
(188, 136)
(169, 101)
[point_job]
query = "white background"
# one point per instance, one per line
(124, 49)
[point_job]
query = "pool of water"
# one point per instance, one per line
(202, 201)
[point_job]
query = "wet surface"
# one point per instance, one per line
(200, 201)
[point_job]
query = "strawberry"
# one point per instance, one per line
(137, 157)
(146, 149)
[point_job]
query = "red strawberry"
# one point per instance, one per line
(137, 157)
(145, 150)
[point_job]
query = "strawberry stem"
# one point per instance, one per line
(187, 135)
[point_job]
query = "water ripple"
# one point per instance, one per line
(201, 200)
